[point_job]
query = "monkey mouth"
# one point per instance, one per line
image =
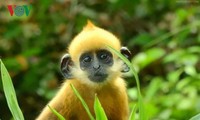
(98, 77)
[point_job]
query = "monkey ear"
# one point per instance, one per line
(66, 63)
(125, 51)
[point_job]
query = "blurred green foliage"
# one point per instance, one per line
(163, 36)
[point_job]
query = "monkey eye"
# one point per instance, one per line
(87, 59)
(103, 56)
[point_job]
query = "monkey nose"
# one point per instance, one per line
(96, 67)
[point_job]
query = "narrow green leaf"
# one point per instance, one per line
(56, 113)
(99, 111)
(196, 117)
(142, 113)
(133, 112)
(10, 94)
(83, 102)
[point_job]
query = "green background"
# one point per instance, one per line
(163, 36)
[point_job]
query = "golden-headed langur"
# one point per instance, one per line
(93, 70)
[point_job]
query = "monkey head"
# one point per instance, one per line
(89, 60)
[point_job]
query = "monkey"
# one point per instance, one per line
(93, 70)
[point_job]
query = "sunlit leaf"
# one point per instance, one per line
(196, 117)
(83, 102)
(99, 111)
(60, 117)
(10, 94)
(133, 112)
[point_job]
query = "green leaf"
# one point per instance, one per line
(173, 55)
(196, 117)
(133, 112)
(142, 112)
(10, 93)
(56, 113)
(194, 49)
(153, 87)
(190, 70)
(173, 76)
(99, 111)
(83, 102)
(145, 58)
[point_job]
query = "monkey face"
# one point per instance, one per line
(96, 64)
(90, 61)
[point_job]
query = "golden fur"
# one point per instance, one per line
(112, 97)
(111, 93)
(92, 38)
